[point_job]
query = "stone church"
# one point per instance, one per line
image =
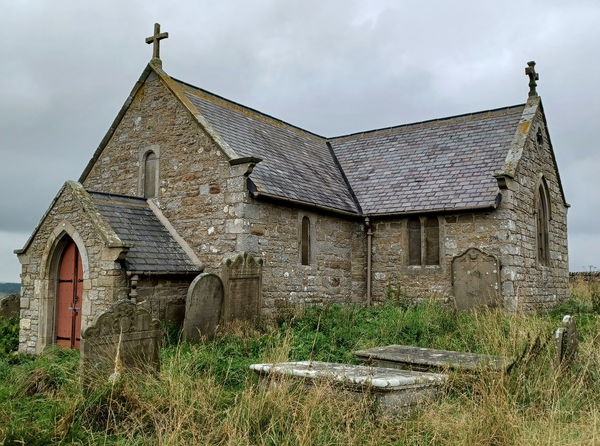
(467, 209)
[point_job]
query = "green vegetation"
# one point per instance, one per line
(205, 393)
(9, 288)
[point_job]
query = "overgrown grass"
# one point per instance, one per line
(205, 393)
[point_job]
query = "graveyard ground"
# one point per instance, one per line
(206, 395)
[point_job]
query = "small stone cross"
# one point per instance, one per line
(533, 77)
(155, 39)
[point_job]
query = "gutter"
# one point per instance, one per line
(258, 195)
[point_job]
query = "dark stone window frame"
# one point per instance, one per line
(424, 241)
(307, 239)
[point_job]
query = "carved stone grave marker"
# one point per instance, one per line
(203, 307)
(242, 278)
(567, 342)
(475, 279)
(125, 337)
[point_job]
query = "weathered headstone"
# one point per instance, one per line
(203, 308)
(242, 278)
(394, 391)
(10, 305)
(125, 337)
(567, 342)
(475, 279)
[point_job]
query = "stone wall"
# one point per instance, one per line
(337, 270)
(537, 285)
(207, 201)
(104, 281)
(458, 232)
(200, 193)
(164, 296)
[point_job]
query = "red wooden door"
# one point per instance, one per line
(69, 297)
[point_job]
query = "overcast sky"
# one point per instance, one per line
(332, 67)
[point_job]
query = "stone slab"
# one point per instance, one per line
(426, 359)
(394, 390)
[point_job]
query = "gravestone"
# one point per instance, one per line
(10, 305)
(125, 337)
(242, 279)
(475, 279)
(394, 391)
(567, 342)
(203, 307)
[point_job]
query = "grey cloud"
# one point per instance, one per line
(332, 67)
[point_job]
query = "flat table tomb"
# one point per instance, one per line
(394, 391)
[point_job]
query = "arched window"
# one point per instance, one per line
(150, 174)
(542, 213)
(305, 241)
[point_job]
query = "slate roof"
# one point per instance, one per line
(296, 164)
(444, 164)
(154, 249)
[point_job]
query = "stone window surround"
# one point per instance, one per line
(143, 153)
(542, 182)
(312, 218)
(423, 267)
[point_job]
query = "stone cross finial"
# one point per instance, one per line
(533, 77)
(155, 39)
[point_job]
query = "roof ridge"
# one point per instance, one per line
(481, 114)
(251, 109)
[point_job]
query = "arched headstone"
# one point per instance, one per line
(203, 307)
(123, 337)
(242, 277)
(475, 279)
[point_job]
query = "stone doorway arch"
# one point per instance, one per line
(48, 286)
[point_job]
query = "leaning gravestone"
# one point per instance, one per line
(203, 308)
(242, 278)
(475, 279)
(567, 342)
(125, 337)
(10, 305)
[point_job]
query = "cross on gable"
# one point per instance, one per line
(155, 39)
(533, 77)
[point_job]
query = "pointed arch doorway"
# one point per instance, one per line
(69, 297)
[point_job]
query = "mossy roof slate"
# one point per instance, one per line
(439, 165)
(154, 248)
